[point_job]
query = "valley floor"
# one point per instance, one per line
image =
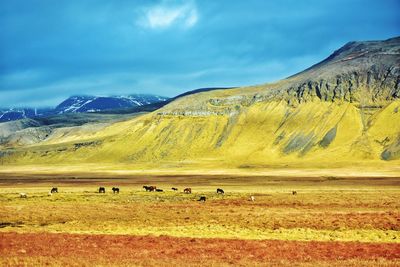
(331, 221)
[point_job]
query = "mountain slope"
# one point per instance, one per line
(30, 131)
(342, 111)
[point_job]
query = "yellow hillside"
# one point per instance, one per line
(263, 134)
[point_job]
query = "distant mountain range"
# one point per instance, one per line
(12, 114)
(79, 104)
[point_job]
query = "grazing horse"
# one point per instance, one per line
(150, 188)
(54, 190)
(23, 195)
(102, 190)
(294, 192)
(174, 189)
(202, 199)
(115, 190)
(187, 190)
(220, 191)
(159, 190)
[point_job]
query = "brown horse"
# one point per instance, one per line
(187, 190)
(150, 188)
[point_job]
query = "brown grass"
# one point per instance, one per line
(148, 250)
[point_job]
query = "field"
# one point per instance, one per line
(332, 221)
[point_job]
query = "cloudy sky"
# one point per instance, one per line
(50, 50)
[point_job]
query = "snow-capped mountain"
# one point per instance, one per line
(94, 103)
(77, 104)
(22, 113)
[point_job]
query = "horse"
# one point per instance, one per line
(159, 190)
(115, 190)
(294, 192)
(174, 189)
(187, 190)
(203, 198)
(252, 198)
(220, 191)
(150, 188)
(54, 190)
(23, 195)
(102, 190)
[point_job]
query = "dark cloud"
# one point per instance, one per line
(50, 50)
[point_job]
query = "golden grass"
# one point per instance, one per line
(325, 209)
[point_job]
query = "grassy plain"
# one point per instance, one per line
(332, 220)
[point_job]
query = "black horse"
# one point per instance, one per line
(115, 190)
(54, 190)
(220, 191)
(174, 189)
(203, 198)
(102, 190)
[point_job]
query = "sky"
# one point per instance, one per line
(50, 50)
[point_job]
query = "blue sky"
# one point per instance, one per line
(50, 50)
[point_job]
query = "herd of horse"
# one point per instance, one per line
(188, 190)
(151, 188)
(103, 190)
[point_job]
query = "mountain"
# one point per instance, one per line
(95, 104)
(22, 113)
(77, 104)
(343, 111)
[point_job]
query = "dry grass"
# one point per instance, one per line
(334, 211)
(327, 211)
(89, 250)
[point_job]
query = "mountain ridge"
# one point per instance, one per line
(82, 103)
